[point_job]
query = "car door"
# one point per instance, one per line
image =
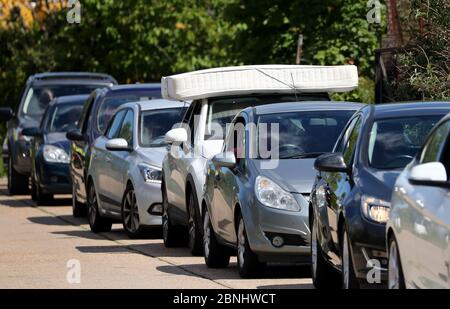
(102, 161)
(429, 230)
(118, 161)
(179, 160)
(226, 183)
(339, 184)
(79, 148)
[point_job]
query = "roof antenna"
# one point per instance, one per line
(293, 86)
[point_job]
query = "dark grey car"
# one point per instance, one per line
(257, 191)
(39, 90)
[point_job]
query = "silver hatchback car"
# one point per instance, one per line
(257, 190)
(124, 177)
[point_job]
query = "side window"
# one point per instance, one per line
(236, 141)
(115, 125)
(344, 138)
(86, 114)
(188, 113)
(435, 147)
(194, 116)
(350, 145)
(126, 131)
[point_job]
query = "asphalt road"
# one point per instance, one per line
(45, 247)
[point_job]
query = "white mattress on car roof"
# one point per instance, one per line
(239, 80)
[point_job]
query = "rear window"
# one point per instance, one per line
(38, 98)
(110, 104)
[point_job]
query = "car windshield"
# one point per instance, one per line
(109, 105)
(222, 111)
(63, 118)
(302, 134)
(394, 142)
(38, 98)
(154, 124)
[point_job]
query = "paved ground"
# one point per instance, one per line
(37, 243)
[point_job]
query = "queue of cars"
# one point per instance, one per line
(252, 161)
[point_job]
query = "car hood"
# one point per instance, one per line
(293, 175)
(153, 156)
(378, 183)
(58, 139)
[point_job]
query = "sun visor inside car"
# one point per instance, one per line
(261, 79)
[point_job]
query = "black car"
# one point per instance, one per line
(39, 90)
(350, 199)
(49, 148)
(97, 111)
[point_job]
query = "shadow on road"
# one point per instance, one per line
(286, 286)
(48, 221)
(231, 272)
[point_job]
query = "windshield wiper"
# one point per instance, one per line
(305, 155)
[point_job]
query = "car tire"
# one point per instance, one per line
(395, 271)
(216, 255)
(130, 215)
(349, 280)
(323, 275)
(96, 222)
(40, 198)
(248, 264)
(173, 236)
(195, 233)
(79, 210)
(33, 189)
(17, 183)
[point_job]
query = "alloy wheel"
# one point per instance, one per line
(165, 216)
(346, 262)
(394, 269)
(131, 212)
(192, 224)
(206, 234)
(92, 209)
(314, 250)
(241, 243)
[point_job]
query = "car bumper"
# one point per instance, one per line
(265, 224)
(369, 250)
(54, 178)
(149, 197)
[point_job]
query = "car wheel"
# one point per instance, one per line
(215, 254)
(173, 236)
(17, 183)
(33, 189)
(248, 264)
(395, 272)
(194, 229)
(323, 275)
(78, 209)
(41, 198)
(96, 222)
(130, 215)
(349, 280)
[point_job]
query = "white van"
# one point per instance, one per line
(218, 95)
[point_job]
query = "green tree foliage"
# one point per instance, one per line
(425, 66)
(142, 40)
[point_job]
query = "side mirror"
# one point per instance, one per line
(429, 174)
(117, 144)
(226, 159)
(32, 131)
(178, 135)
(6, 114)
(331, 162)
(75, 135)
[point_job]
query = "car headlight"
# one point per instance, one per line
(150, 173)
(375, 209)
(272, 195)
(55, 154)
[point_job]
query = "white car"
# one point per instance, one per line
(418, 230)
(124, 177)
(218, 96)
